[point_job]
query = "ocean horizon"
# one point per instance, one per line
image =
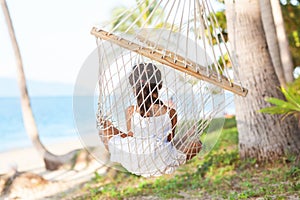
(53, 115)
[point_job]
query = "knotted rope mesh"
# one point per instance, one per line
(154, 123)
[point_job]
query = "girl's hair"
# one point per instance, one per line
(146, 79)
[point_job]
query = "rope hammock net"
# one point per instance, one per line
(162, 82)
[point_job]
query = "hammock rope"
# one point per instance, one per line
(161, 85)
(173, 60)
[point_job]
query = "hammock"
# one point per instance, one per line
(162, 83)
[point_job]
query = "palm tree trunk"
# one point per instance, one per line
(272, 41)
(285, 54)
(261, 136)
(52, 161)
(28, 117)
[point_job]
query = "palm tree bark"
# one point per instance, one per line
(272, 41)
(261, 136)
(285, 54)
(52, 162)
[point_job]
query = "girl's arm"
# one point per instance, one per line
(173, 117)
(129, 113)
(109, 130)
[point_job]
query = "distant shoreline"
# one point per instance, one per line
(36, 88)
(37, 96)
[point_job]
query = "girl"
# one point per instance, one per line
(148, 148)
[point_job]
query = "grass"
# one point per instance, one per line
(220, 174)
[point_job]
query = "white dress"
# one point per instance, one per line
(147, 153)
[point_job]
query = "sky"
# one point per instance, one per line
(54, 39)
(53, 35)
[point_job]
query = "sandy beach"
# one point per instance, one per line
(60, 181)
(27, 158)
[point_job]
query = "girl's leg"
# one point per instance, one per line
(191, 149)
(189, 144)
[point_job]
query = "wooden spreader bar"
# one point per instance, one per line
(173, 60)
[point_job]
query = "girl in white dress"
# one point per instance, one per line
(147, 149)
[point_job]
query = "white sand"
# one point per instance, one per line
(27, 159)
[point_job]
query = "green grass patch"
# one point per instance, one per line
(217, 174)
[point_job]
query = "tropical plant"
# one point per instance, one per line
(291, 15)
(52, 161)
(283, 41)
(289, 106)
(278, 49)
(146, 14)
(260, 135)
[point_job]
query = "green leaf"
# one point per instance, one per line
(283, 104)
(275, 110)
(290, 96)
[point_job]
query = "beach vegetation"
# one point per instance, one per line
(290, 105)
(220, 174)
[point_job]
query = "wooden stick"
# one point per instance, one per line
(173, 60)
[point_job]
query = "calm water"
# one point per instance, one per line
(54, 117)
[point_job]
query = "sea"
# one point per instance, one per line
(54, 118)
